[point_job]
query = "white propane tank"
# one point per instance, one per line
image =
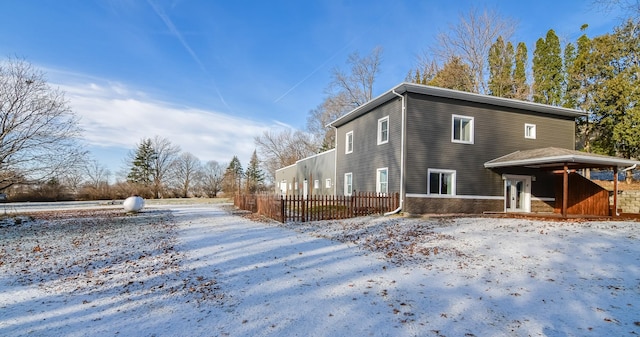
(133, 203)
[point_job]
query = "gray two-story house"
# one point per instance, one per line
(447, 151)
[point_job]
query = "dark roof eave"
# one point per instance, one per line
(584, 161)
(403, 88)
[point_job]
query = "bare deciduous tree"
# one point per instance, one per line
(470, 40)
(358, 84)
(96, 174)
(185, 171)
(166, 154)
(346, 92)
(211, 178)
(38, 130)
(280, 149)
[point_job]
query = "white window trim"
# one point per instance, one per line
(348, 189)
(380, 121)
(346, 145)
(378, 189)
(316, 184)
(532, 127)
(453, 181)
(453, 124)
(327, 183)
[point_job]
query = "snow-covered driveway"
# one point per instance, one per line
(201, 271)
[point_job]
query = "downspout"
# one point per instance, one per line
(335, 161)
(402, 141)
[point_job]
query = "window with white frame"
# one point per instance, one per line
(530, 131)
(441, 182)
(462, 129)
(349, 142)
(316, 184)
(382, 180)
(348, 183)
(327, 183)
(383, 130)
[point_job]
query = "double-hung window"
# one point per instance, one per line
(383, 130)
(348, 183)
(462, 129)
(349, 142)
(441, 182)
(382, 180)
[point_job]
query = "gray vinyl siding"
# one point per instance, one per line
(497, 131)
(319, 167)
(367, 155)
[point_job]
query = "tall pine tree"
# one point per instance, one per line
(501, 69)
(232, 180)
(520, 86)
(141, 171)
(548, 76)
(254, 175)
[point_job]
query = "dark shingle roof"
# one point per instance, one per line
(552, 157)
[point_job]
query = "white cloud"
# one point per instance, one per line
(114, 116)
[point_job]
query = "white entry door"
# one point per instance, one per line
(517, 193)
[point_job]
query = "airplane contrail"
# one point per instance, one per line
(172, 28)
(314, 71)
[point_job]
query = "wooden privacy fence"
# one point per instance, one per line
(318, 207)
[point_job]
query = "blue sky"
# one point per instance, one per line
(212, 75)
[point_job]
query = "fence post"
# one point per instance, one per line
(282, 201)
(304, 204)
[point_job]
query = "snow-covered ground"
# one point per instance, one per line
(199, 270)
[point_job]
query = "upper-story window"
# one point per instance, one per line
(383, 130)
(349, 142)
(462, 129)
(530, 131)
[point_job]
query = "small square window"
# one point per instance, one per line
(383, 130)
(530, 131)
(462, 129)
(349, 142)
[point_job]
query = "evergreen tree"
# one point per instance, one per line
(233, 176)
(254, 175)
(520, 87)
(141, 171)
(578, 73)
(571, 83)
(455, 75)
(614, 69)
(547, 70)
(501, 69)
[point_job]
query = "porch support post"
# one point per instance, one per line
(565, 190)
(615, 191)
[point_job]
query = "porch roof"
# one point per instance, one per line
(557, 158)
